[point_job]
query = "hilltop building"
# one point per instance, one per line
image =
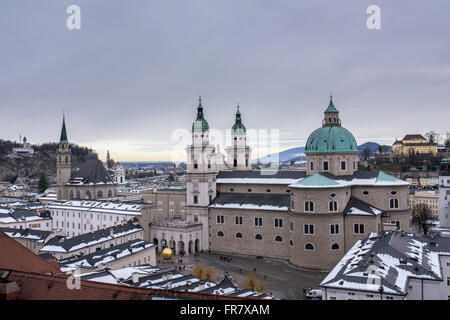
(414, 143)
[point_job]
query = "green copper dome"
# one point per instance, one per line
(238, 127)
(200, 124)
(331, 137)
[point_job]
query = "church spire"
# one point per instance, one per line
(63, 138)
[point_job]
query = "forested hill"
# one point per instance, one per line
(43, 160)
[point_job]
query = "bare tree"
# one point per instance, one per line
(421, 214)
(432, 136)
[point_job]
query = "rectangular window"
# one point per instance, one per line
(195, 199)
(312, 165)
(308, 229)
(334, 228)
(309, 206)
(358, 228)
(343, 165)
(325, 166)
(278, 223)
(291, 226)
(220, 219)
(333, 206)
(258, 222)
(397, 224)
(393, 203)
(238, 220)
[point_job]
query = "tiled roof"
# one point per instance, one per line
(15, 256)
(91, 172)
(35, 286)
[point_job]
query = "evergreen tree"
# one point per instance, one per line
(43, 183)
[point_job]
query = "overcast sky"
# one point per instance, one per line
(133, 73)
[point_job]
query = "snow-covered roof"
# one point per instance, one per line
(98, 206)
(387, 261)
(360, 178)
(147, 276)
(67, 245)
(106, 256)
(30, 234)
(276, 202)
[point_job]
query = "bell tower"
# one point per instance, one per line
(238, 154)
(200, 175)
(63, 163)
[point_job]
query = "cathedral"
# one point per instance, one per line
(90, 181)
(309, 218)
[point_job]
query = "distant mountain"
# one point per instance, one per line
(296, 154)
(286, 155)
(373, 146)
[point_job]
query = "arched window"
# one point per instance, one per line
(309, 246)
(220, 234)
(71, 194)
(88, 195)
(278, 239)
(109, 194)
(99, 194)
(258, 237)
(78, 194)
(67, 159)
(235, 163)
(291, 243)
(238, 235)
(334, 246)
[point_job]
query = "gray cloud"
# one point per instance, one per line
(134, 70)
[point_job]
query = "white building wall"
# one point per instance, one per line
(444, 201)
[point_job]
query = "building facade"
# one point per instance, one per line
(414, 143)
(444, 194)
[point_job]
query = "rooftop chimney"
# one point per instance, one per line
(9, 290)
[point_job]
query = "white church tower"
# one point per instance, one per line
(444, 194)
(238, 154)
(200, 175)
(63, 163)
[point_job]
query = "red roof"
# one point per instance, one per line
(35, 286)
(14, 256)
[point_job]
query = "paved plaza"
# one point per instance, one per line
(283, 280)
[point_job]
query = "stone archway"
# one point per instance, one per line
(155, 242)
(197, 246)
(163, 244)
(173, 246)
(181, 248)
(191, 247)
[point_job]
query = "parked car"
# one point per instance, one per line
(315, 294)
